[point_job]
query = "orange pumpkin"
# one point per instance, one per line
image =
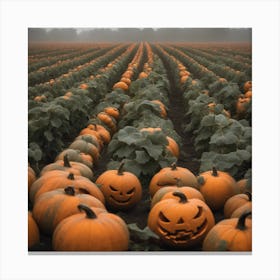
(217, 187)
(181, 223)
(108, 121)
(173, 147)
(33, 231)
(167, 192)
(53, 206)
(234, 234)
(31, 177)
(122, 189)
(169, 175)
(247, 86)
(161, 106)
(76, 155)
(61, 179)
(235, 202)
(121, 85)
(69, 166)
(86, 148)
(94, 230)
(112, 111)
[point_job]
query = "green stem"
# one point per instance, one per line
(173, 166)
(120, 170)
(90, 214)
(69, 190)
(183, 198)
(241, 221)
(66, 161)
(249, 195)
(214, 171)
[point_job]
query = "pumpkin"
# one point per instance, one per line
(69, 166)
(217, 187)
(95, 137)
(248, 94)
(122, 189)
(53, 206)
(61, 179)
(167, 192)
(168, 176)
(247, 86)
(235, 202)
(94, 230)
(121, 85)
(104, 134)
(31, 177)
(142, 75)
(83, 86)
(126, 80)
(33, 231)
(108, 121)
(234, 234)
(76, 155)
(163, 112)
(112, 111)
(242, 185)
(242, 105)
(86, 148)
(183, 79)
(181, 223)
(173, 147)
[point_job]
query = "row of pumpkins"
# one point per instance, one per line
(71, 209)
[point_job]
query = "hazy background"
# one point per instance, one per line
(140, 34)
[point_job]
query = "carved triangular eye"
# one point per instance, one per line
(163, 218)
(131, 191)
(199, 213)
(180, 221)
(113, 189)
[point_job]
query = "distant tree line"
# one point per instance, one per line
(137, 34)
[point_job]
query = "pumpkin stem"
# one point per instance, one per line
(69, 190)
(66, 161)
(71, 176)
(182, 196)
(173, 166)
(241, 221)
(249, 195)
(90, 214)
(214, 171)
(120, 170)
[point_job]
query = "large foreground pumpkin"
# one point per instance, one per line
(94, 230)
(181, 223)
(233, 234)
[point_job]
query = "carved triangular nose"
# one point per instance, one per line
(180, 221)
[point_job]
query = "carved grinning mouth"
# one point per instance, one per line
(182, 235)
(119, 201)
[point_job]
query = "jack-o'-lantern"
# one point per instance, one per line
(122, 189)
(181, 223)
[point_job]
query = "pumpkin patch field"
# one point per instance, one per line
(139, 146)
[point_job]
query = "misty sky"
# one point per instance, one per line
(140, 34)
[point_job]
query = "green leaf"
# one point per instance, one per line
(208, 120)
(56, 122)
(142, 234)
(221, 120)
(142, 157)
(48, 134)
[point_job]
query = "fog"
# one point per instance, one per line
(138, 34)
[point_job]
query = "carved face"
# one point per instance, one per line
(123, 195)
(121, 191)
(181, 224)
